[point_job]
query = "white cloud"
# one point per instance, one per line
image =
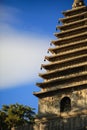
(20, 57)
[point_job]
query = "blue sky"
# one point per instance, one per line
(26, 29)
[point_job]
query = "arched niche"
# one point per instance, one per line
(65, 104)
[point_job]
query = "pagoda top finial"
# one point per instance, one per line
(78, 3)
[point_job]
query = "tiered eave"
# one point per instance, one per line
(67, 67)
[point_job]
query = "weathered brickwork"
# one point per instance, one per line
(51, 105)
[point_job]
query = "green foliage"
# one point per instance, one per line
(16, 115)
(3, 124)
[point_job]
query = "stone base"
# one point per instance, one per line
(64, 122)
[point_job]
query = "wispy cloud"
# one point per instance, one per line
(9, 14)
(20, 53)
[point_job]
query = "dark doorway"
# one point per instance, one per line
(65, 104)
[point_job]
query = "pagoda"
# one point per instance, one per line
(63, 96)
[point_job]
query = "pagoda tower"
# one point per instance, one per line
(63, 96)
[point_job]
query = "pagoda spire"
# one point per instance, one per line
(78, 3)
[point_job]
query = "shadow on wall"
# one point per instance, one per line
(24, 127)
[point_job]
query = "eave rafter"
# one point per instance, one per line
(71, 32)
(73, 17)
(72, 24)
(66, 62)
(74, 79)
(70, 39)
(67, 46)
(74, 11)
(63, 56)
(64, 72)
(61, 90)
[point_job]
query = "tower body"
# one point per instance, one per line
(63, 95)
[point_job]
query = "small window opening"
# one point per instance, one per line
(65, 104)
